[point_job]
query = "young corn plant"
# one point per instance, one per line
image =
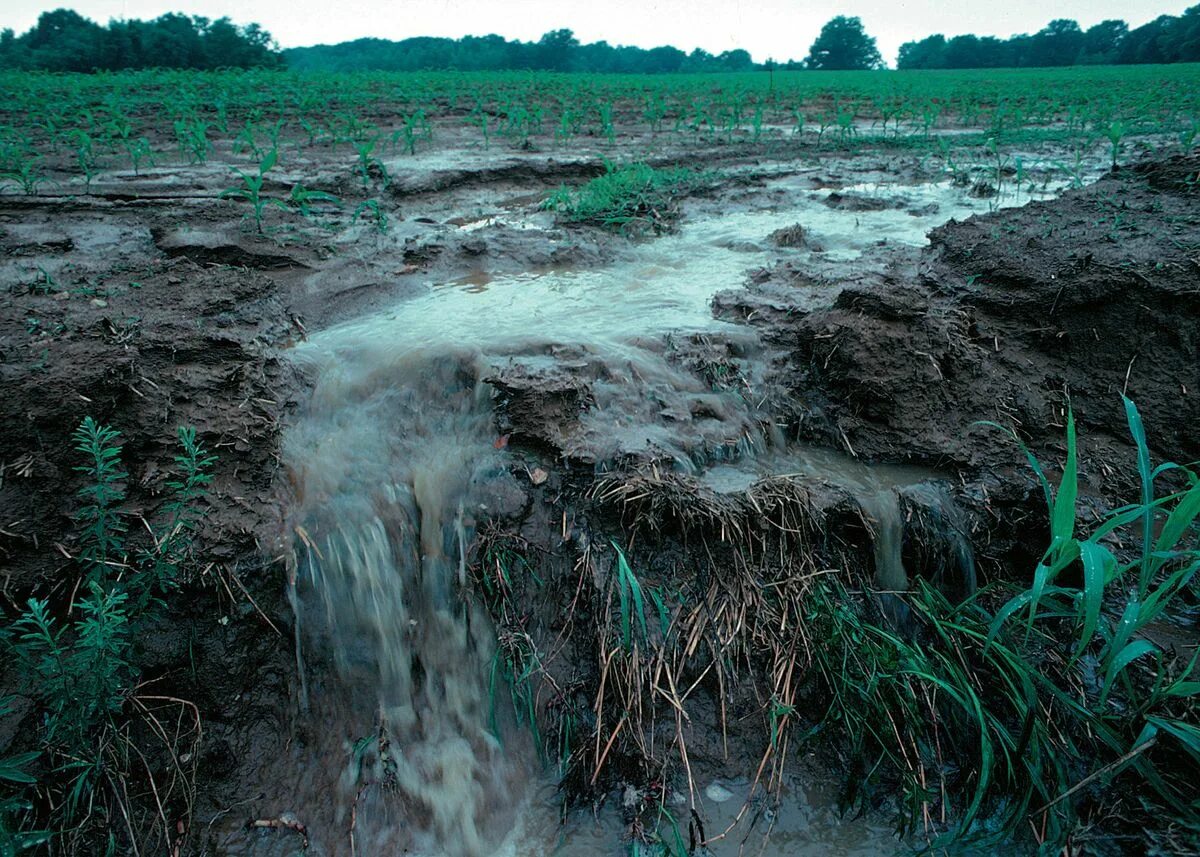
(85, 157)
(27, 174)
(372, 209)
(367, 161)
(251, 190)
(304, 199)
(138, 151)
(631, 603)
(192, 139)
(1115, 132)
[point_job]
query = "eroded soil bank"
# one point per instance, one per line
(491, 409)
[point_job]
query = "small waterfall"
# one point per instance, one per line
(881, 504)
(391, 456)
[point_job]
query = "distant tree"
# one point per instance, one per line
(1182, 42)
(1147, 43)
(843, 44)
(63, 40)
(555, 49)
(664, 59)
(1102, 42)
(735, 60)
(927, 53)
(1059, 43)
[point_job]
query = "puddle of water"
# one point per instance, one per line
(802, 820)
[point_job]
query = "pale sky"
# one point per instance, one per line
(783, 29)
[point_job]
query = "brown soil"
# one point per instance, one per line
(158, 308)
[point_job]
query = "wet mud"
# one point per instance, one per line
(438, 442)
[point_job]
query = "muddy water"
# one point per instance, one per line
(394, 459)
(873, 487)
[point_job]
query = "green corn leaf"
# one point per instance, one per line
(1096, 563)
(1131, 652)
(1188, 734)
(1138, 431)
(1062, 520)
(1181, 518)
(11, 768)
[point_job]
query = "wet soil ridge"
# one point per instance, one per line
(1083, 297)
(168, 345)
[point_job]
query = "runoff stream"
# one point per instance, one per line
(395, 457)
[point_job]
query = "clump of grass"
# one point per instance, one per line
(1037, 708)
(632, 196)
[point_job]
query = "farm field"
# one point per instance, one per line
(512, 463)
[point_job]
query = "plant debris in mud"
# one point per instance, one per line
(1050, 710)
(630, 197)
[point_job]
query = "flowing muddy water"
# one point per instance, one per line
(395, 458)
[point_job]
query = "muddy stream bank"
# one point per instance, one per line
(465, 444)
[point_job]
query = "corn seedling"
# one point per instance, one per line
(27, 175)
(138, 151)
(631, 604)
(304, 199)
(251, 190)
(368, 162)
(372, 209)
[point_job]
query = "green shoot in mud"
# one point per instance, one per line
(372, 209)
(14, 775)
(251, 190)
(81, 670)
(632, 605)
(27, 175)
(304, 199)
(634, 196)
(368, 163)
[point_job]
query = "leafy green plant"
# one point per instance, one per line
(635, 195)
(375, 211)
(85, 157)
(631, 604)
(251, 190)
(304, 199)
(138, 150)
(1115, 132)
(365, 149)
(27, 174)
(81, 671)
(416, 127)
(192, 138)
(102, 532)
(14, 777)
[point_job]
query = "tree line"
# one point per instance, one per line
(1166, 39)
(64, 40)
(557, 50)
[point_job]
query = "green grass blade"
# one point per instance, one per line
(1096, 563)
